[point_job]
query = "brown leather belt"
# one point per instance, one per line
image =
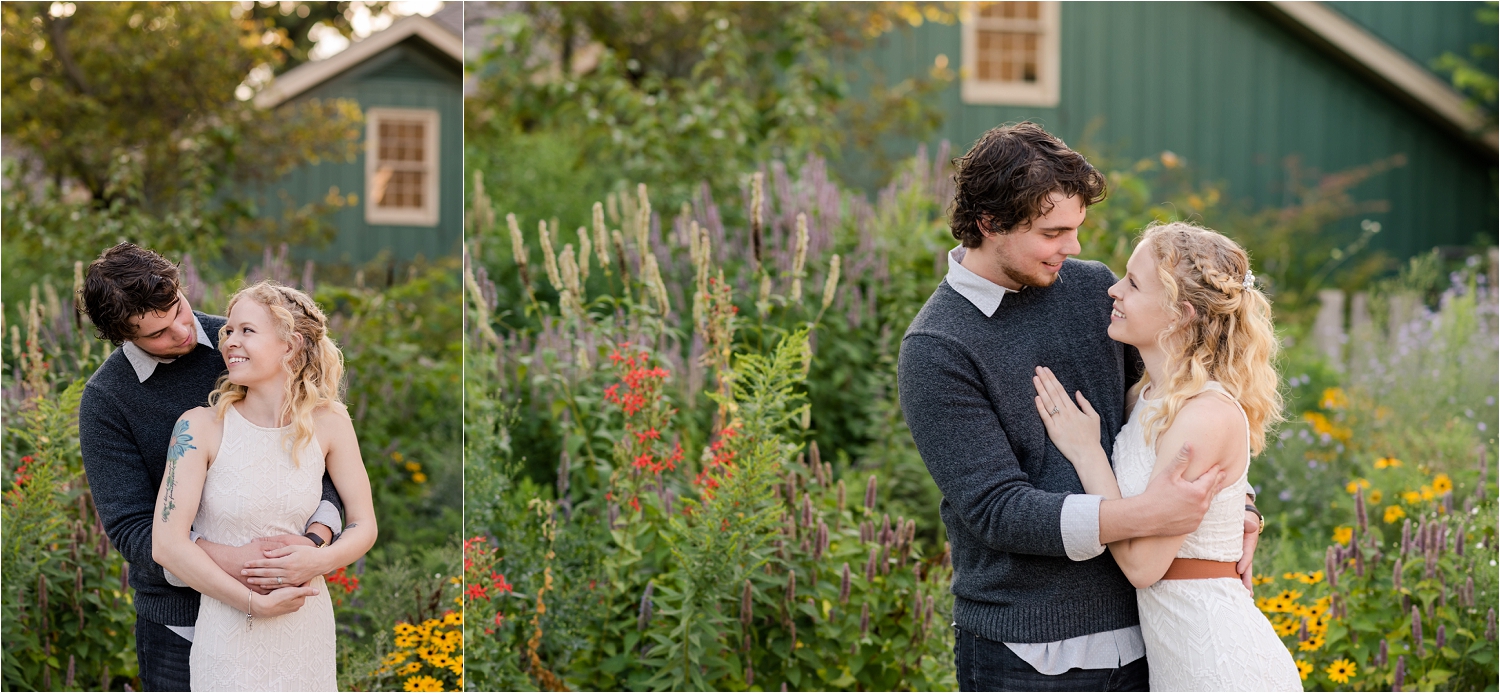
(1199, 569)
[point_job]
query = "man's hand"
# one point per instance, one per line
(285, 566)
(1180, 504)
(1252, 538)
(281, 540)
(231, 559)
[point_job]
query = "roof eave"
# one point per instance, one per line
(1387, 68)
(309, 75)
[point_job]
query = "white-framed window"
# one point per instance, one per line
(1010, 53)
(401, 166)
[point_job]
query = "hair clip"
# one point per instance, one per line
(1249, 279)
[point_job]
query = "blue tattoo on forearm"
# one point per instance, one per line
(181, 443)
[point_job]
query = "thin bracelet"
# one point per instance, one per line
(249, 617)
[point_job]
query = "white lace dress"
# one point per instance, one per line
(1203, 635)
(253, 490)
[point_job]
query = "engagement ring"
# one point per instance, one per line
(278, 579)
(1053, 412)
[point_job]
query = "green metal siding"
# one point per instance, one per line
(405, 76)
(1423, 30)
(1234, 94)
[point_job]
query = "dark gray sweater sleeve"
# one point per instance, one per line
(121, 485)
(968, 454)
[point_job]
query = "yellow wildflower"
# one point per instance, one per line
(397, 456)
(1265, 604)
(1356, 485)
(1333, 398)
(413, 467)
(1387, 462)
(1376, 496)
(1393, 513)
(1411, 497)
(1342, 535)
(419, 478)
(1289, 576)
(405, 641)
(1262, 580)
(1427, 493)
(1285, 626)
(410, 668)
(1289, 595)
(423, 683)
(1341, 670)
(1316, 576)
(1442, 484)
(1303, 669)
(1312, 644)
(404, 629)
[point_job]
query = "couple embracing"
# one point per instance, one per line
(1092, 438)
(219, 457)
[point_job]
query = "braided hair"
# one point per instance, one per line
(314, 367)
(1228, 338)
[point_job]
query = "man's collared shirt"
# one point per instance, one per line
(145, 364)
(1080, 528)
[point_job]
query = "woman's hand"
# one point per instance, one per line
(285, 566)
(1074, 429)
(280, 602)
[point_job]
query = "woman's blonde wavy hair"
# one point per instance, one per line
(314, 367)
(1229, 338)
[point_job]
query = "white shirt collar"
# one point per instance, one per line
(983, 293)
(145, 364)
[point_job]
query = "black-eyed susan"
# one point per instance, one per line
(1333, 398)
(1442, 484)
(1262, 580)
(1285, 626)
(1314, 577)
(423, 683)
(1393, 513)
(1303, 669)
(1289, 596)
(1343, 535)
(1387, 463)
(1341, 670)
(1313, 643)
(1376, 496)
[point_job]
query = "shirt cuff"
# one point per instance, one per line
(1080, 526)
(328, 515)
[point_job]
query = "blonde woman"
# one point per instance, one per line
(250, 465)
(1188, 302)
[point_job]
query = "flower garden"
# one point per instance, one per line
(687, 468)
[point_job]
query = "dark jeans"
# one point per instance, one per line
(162, 656)
(986, 665)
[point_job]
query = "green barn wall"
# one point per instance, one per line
(406, 76)
(1235, 94)
(1423, 30)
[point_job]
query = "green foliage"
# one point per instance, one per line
(69, 622)
(680, 93)
(180, 169)
(1474, 74)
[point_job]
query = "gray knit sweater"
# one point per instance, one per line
(966, 391)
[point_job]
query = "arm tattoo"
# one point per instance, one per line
(181, 443)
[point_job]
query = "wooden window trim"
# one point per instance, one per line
(427, 214)
(1044, 92)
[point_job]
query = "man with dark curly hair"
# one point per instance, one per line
(167, 363)
(1038, 603)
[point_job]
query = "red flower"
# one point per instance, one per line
(501, 585)
(477, 591)
(635, 503)
(643, 461)
(498, 618)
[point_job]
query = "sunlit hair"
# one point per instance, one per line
(1229, 338)
(314, 367)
